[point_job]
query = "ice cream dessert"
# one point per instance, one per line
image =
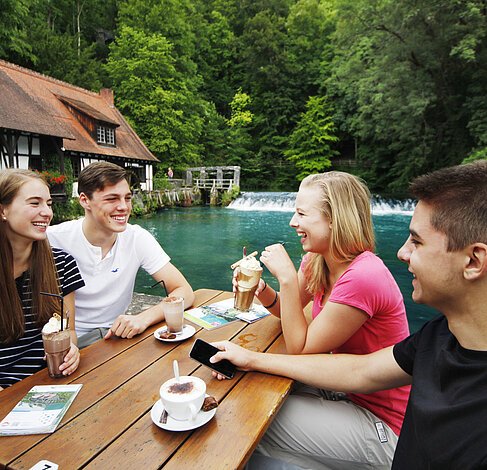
(56, 344)
(248, 278)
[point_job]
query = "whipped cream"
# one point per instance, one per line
(53, 325)
(251, 263)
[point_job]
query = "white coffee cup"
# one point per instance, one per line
(183, 399)
(173, 308)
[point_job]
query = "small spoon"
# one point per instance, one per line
(175, 367)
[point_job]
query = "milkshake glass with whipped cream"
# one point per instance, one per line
(248, 277)
(57, 343)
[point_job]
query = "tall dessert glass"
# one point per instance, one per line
(57, 343)
(248, 278)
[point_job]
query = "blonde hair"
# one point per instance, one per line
(345, 202)
(42, 270)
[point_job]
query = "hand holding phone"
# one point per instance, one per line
(202, 351)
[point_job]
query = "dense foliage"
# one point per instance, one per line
(280, 87)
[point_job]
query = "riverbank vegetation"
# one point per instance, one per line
(387, 89)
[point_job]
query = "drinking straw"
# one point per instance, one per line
(62, 305)
(163, 285)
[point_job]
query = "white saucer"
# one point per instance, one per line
(187, 332)
(174, 425)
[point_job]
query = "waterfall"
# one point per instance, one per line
(261, 201)
(284, 202)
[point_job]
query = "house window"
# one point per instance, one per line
(76, 164)
(136, 176)
(100, 135)
(105, 135)
(110, 136)
(35, 163)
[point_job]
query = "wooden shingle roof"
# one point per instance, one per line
(32, 102)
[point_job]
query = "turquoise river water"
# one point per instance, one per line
(204, 241)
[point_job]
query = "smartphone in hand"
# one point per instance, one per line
(202, 351)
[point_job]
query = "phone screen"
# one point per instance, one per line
(202, 351)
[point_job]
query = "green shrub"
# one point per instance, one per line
(69, 210)
(229, 196)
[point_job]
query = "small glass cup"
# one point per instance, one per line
(173, 308)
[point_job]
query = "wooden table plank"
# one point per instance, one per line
(144, 445)
(150, 446)
(221, 444)
(88, 434)
(109, 424)
(92, 358)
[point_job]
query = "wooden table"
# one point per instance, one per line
(109, 424)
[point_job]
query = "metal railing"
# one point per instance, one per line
(213, 183)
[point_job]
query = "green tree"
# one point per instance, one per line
(310, 26)
(153, 96)
(14, 44)
(311, 143)
(407, 84)
(267, 75)
(216, 57)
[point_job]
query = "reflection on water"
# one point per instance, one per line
(203, 242)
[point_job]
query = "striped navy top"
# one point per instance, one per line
(24, 357)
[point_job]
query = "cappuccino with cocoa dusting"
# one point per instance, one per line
(186, 387)
(183, 390)
(183, 398)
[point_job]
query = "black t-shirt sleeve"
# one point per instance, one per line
(405, 352)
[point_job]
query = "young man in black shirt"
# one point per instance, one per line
(446, 360)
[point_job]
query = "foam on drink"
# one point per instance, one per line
(181, 391)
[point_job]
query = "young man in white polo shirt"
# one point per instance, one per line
(109, 252)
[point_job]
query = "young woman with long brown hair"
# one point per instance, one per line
(28, 267)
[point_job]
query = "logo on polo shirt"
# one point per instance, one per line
(115, 270)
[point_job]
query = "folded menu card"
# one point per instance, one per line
(222, 313)
(40, 411)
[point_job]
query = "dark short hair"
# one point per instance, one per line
(96, 176)
(458, 196)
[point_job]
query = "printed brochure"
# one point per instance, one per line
(40, 411)
(222, 313)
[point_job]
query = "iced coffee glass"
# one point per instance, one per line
(248, 278)
(57, 343)
(173, 308)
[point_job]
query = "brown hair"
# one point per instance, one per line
(345, 202)
(42, 271)
(458, 196)
(97, 175)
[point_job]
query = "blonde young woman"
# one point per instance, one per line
(357, 308)
(28, 267)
